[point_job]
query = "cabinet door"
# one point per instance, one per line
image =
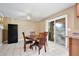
(73, 47)
(12, 33)
(77, 6)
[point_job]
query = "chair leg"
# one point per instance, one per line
(39, 50)
(24, 47)
(31, 47)
(46, 44)
(45, 48)
(35, 47)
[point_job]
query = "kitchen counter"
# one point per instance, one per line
(74, 35)
(74, 45)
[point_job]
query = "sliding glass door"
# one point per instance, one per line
(60, 31)
(57, 29)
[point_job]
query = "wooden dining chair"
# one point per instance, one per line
(42, 41)
(29, 41)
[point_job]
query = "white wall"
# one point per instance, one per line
(24, 26)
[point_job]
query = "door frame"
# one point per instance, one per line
(58, 18)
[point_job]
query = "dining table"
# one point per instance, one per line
(33, 38)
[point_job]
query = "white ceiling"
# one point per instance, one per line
(38, 11)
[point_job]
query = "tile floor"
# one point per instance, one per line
(16, 49)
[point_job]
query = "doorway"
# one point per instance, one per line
(57, 29)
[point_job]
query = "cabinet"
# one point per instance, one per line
(73, 46)
(10, 35)
(5, 30)
(5, 36)
(77, 7)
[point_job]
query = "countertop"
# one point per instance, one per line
(74, 35)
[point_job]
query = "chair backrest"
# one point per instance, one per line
(32, 35)
(43, 38)
(45, 33)
(24, 36)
